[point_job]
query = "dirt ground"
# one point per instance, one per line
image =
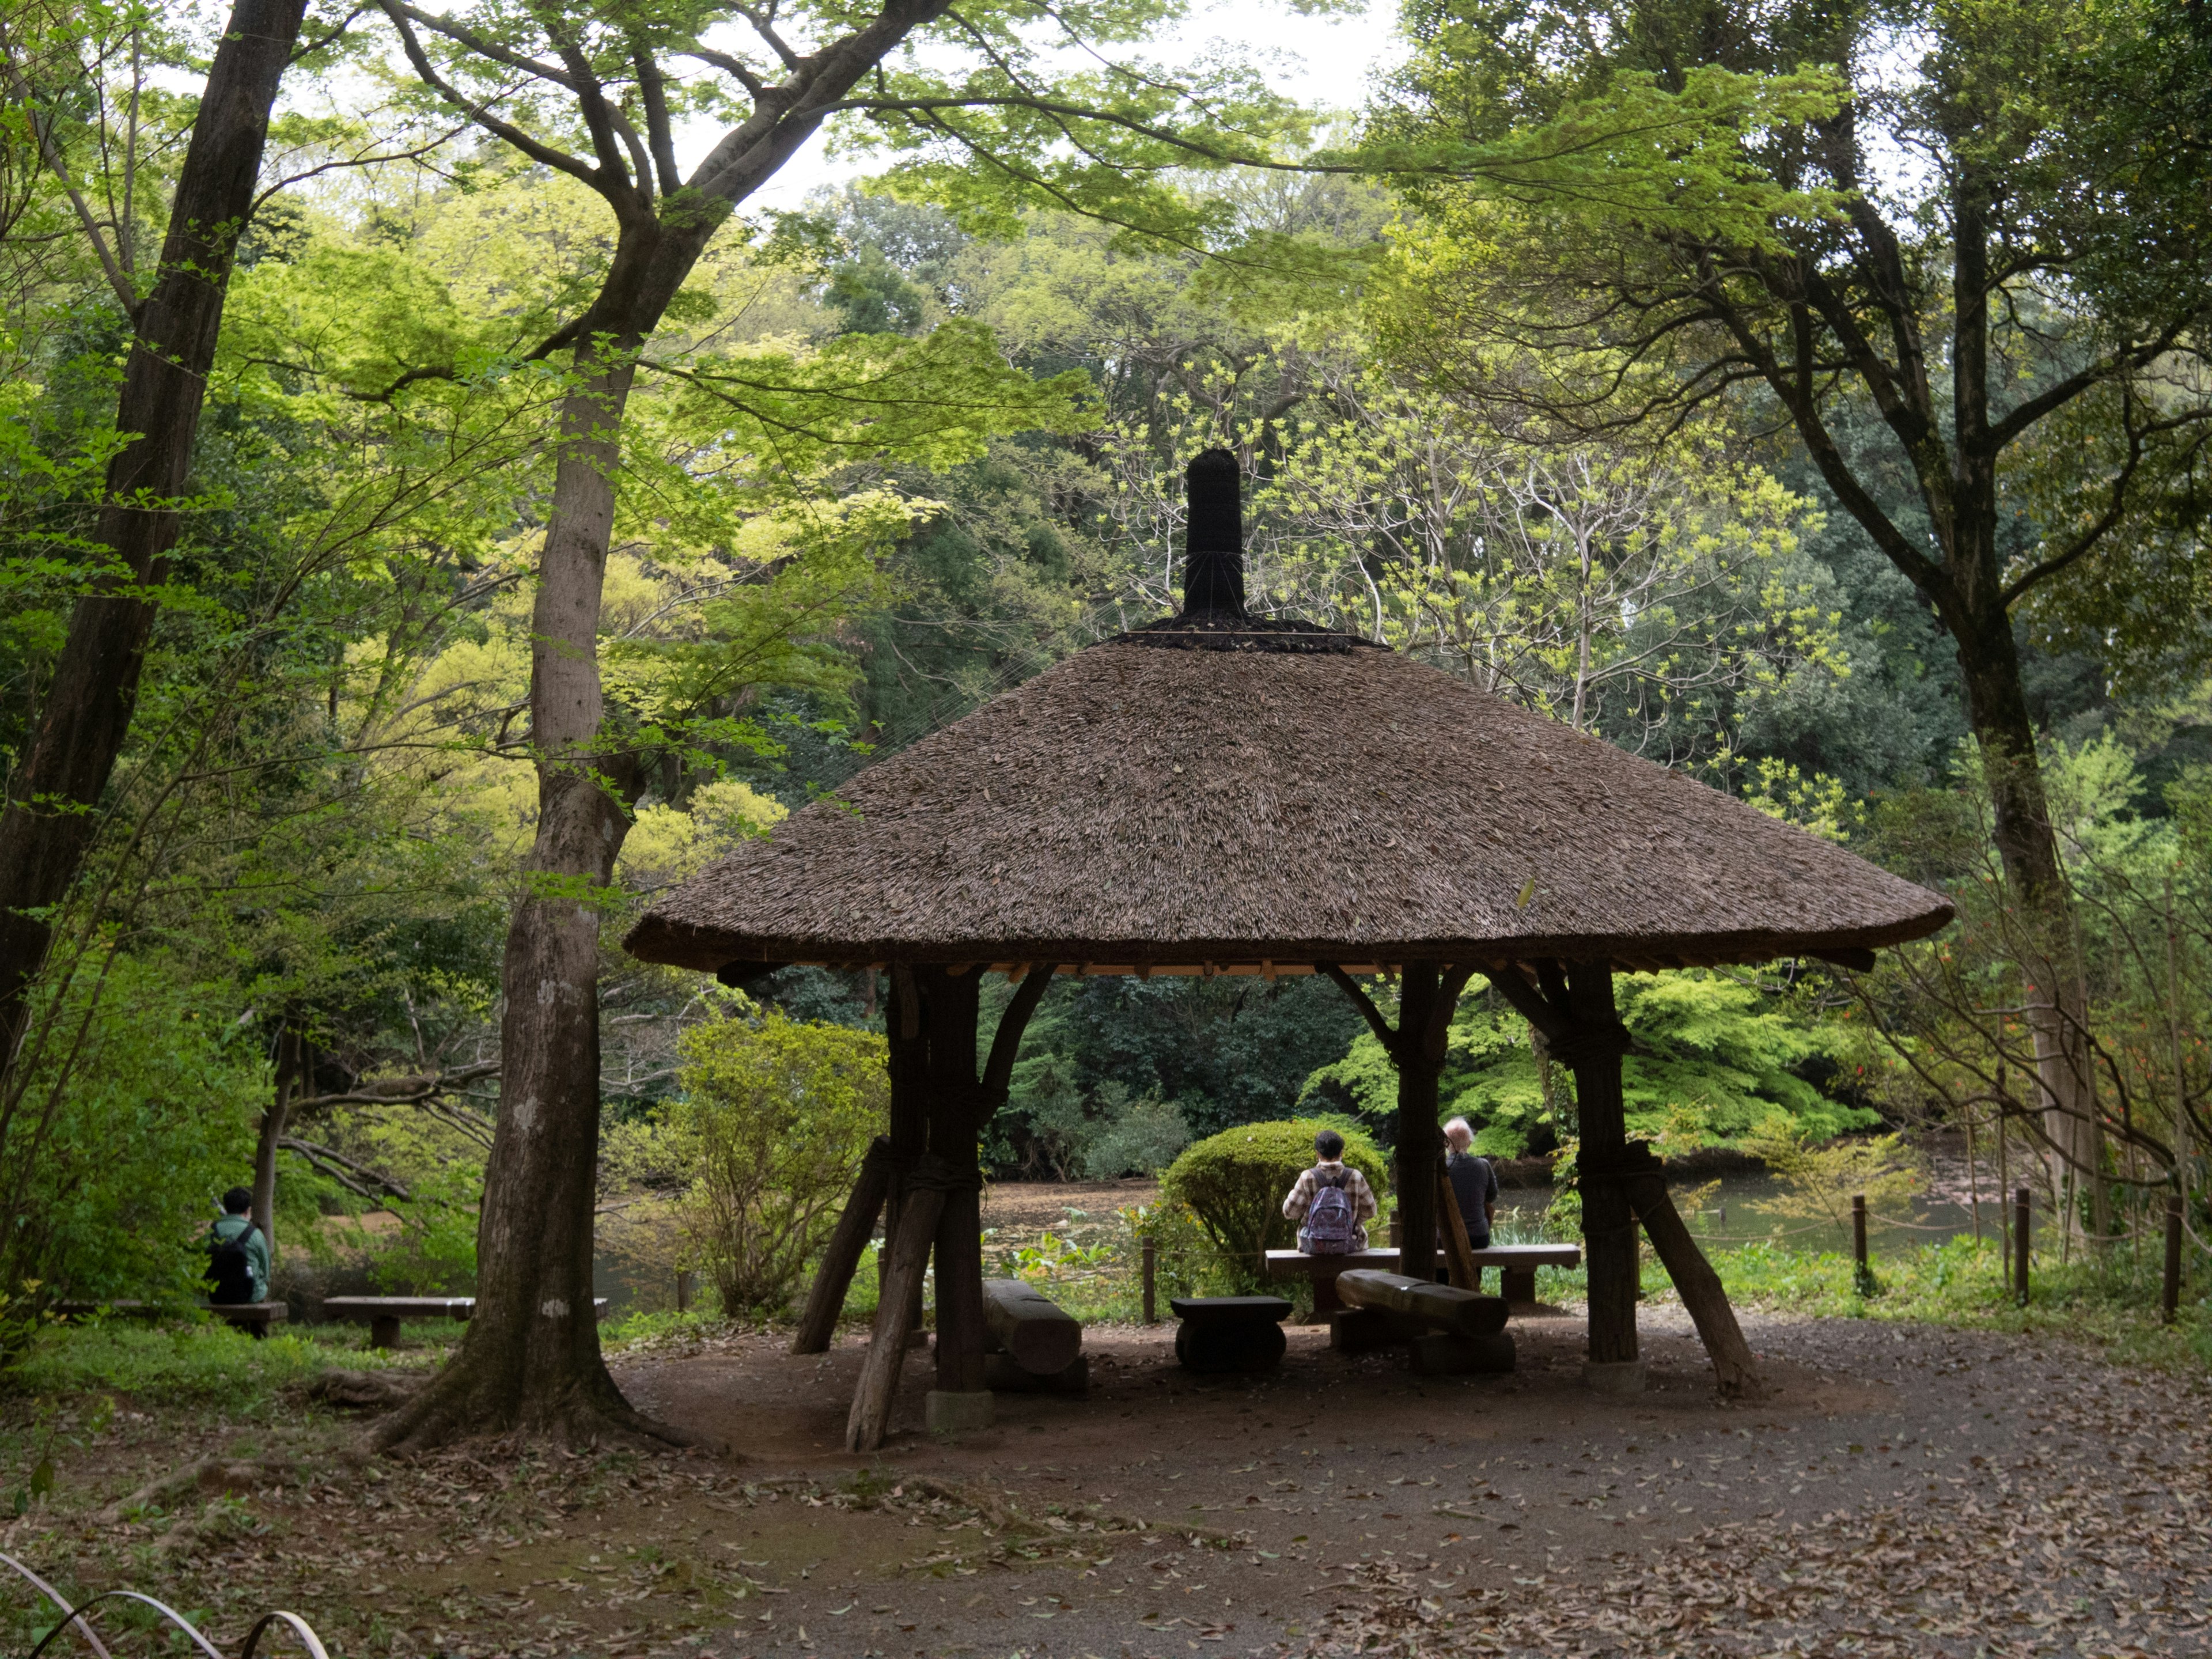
(1903, 1490)
(1046, 1203)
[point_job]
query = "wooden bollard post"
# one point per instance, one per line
(1151, 1280)
(1862, 1275)
(2020, 1214)
(2169, 1299)
(684, 1290)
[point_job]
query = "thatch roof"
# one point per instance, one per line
(1218, 793)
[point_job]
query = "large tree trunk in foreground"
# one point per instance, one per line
(51, 817)
(531, 1357)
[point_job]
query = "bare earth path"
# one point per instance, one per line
(1906, 1492)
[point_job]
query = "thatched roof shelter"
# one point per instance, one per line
(1192, 798)
(1221, 793)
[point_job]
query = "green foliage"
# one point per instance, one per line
(1214, 1052)
(774, 1120)
(1821, 1181)
(1107, 1135)
(1235, 1182)
(1960, 1283)
(146, 1120)
(204, 1361)
(1707, 1045)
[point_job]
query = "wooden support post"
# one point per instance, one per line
(1570, 1007)
(954, 1005)
(871, 1416)
(2169, 1297)
(2020, 1214)
(684, 1288)
(1428, 992)
(904, 1024)
(1151, 1280)
(1419, 1137)
(1459, 1250)
(1861, 1274)
(1735, 1372)
(842, 1259)
(1593, 1047)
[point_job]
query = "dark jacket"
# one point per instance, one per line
(1475, 1184)
(228, 1227)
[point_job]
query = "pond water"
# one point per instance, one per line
(1743, 1208)
(1722, 1211)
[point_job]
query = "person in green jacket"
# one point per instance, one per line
(238, 1255)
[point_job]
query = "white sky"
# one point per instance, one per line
(1317, 60)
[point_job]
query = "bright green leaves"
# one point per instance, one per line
(1683, 159)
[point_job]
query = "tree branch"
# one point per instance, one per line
(345, 1171)
(480, 113)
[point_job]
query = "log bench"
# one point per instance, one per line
(1450, 1332)
(1516, 1266)
(386, 1313)
(1222, 1333)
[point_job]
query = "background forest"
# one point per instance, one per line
(887, 457)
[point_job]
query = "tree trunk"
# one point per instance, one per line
(51, 817)
(292, 1055)
(531, 1357)
(2028, 847)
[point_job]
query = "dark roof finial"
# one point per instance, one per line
(1213, 562)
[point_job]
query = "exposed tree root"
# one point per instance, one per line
(462, 1403)
(377, 1391)
(212, 1475)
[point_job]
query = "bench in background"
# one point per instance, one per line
(386, 1313)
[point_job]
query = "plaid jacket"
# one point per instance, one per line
(1355, 1188)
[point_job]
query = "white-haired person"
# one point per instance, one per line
(1474, 1182)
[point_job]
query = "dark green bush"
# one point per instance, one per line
(1235, 1183)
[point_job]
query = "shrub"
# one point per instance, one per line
(125, 1134)
(1235, 1183)
(775, 1118)
(1137, 1138)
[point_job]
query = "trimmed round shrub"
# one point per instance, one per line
(1235, 1183)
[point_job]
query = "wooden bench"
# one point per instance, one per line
(255, 1316)
(1223, 1334)
(385, 1313)
(1516, 1266)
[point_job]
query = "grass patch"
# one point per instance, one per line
(188, 1362)
(2112, 1303)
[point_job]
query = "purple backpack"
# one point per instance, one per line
(1333, 1223)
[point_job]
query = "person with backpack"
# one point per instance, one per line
(1331, 1202)
(238, 1255)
